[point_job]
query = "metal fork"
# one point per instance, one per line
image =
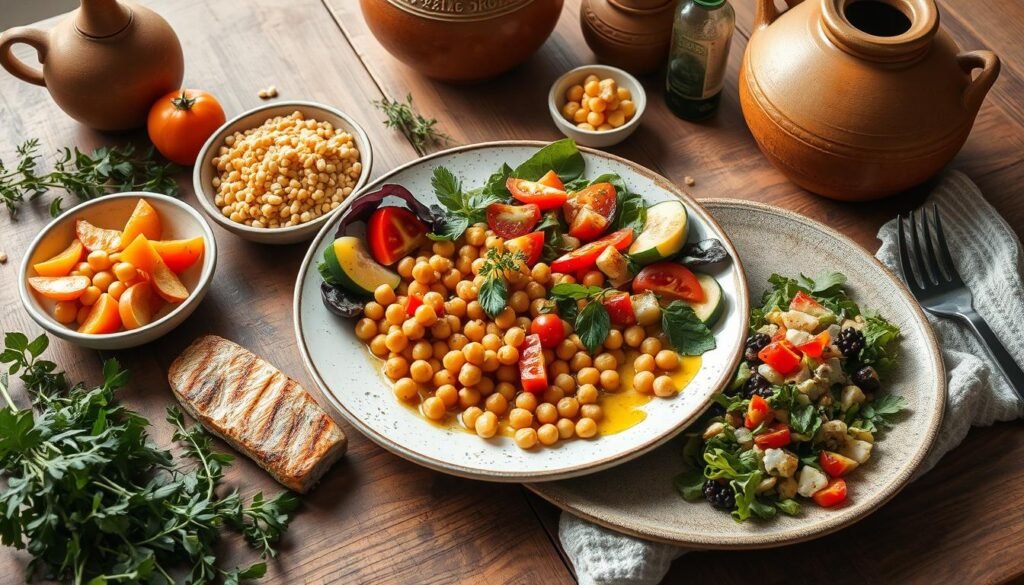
(940, 290)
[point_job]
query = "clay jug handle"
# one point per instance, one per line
(767, 12)
(978, 87)
(37, 39)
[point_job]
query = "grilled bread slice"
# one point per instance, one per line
(258, 410)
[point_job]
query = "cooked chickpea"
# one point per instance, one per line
(520, 418)
(453, 360)
(566, 428)
(527, 401)
(365, 328)
(591, 411)
(634, 336)
(568, 407)
(610, 380)
(491, 341)
(506, 318)
(643, 382)
(486, 425)
(412, 329)
(448, 395)
(83, 314)
(469, 375)
(552, 395)
(116, 289)
(627, 107)
(425, 315)
(65, 312)
(664, 386)
(547, 434)
(667, 360)
(586, 394)
(469, 396)
(565, 382)
(443, 377)
(102, 280)
(565, 350)
(378, 345)
(546, 413)
(508, 355)
(417, 289)
(406, 389)
(125, 271)
(433, 408)
(496, 403)
(457, 341)
(395, 314)
(469, 417)
(644, 362)
(373, 310)
(519, 301)
(592, 88)
(588, 375)
(475, 330)
(396, 367)
(404, 268)
(614, 339)
(98, 260)
(491, 362)
(579, 361)
(441, 329)
(651, 346)
(455, 307)
(557, 368)
(586, 428)
(474, 353)
(526, 438)
(605, 361)
(90, 296)
(422, 350)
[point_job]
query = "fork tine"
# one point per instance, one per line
(945, 259)
(908, 269)
(924, 270)
(934, 265)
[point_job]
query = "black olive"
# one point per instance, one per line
(866, 379)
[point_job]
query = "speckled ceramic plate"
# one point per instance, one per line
(637, 498)
(352, 382)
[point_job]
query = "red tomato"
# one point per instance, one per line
(585, 256)
(780, 334)
(393, 232)
(781, 356)
(550, 329)
(512, 221)
(805, 303)
(669, 280)
(534, 192)
(589, 212)
(414, 302)
(551, 179)
(778, 436)
(531, 245)
(588, 224)
(620, 308)
(836, 465)
(181, 121)
(757, 412)
(816, 346)
(832, 494)
(532, 371)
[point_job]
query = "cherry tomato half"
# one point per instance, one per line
(393, 232)
(512, 221)
(781, 356)
(550, 329)
(757, 412)
(535, 192)
(532, 371)
(586, 255)
(620, 308)
(669, 280)
(551, 179)
(590, 211)
(816, 346)
(778, 436)
(531, 245)
(836, 465)
(832, 494)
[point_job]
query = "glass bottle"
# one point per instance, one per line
(698, 55)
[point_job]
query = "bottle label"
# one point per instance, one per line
(697, 70)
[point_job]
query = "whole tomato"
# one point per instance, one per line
(181, 121)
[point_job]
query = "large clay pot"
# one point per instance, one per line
(104, 65)
(631, 34)
(461, 40)
(859, 99)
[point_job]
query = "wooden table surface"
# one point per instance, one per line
(377, 518)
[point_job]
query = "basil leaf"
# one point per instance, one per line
(593, 324)
(709, 251)
(686, 333)
(495, 185)
(574, 291)
(804, 420)
(827, 284)
(449, 228)
(493, 296)
(562, 157)
(547, 221)
(690, 484)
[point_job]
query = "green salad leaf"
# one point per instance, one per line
(593, 324)
(561, 156)
(879, 350)
(464, 207)
(686, 333)
(690, 484)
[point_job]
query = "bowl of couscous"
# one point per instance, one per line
(276, 173)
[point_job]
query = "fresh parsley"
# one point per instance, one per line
(879, 350)
(880, 414)
(592, 323)
(463, 208)
(686, 333)
(493, 295)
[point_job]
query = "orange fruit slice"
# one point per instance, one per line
(136, 306)
(178, 255)
(60, 288)
(103, 317)
(63, 263)
(144, 256)
(94, 238)
(144, 220)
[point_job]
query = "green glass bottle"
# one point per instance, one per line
(698, 55)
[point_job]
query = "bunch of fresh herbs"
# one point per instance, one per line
(417, 129)
(494, 290)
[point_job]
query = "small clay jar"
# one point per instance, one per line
(630, 34)
(104, 65)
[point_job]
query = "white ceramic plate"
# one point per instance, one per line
(352, 382)
(638, 498)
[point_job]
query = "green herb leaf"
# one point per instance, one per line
(495, 185)
(745, 486)
(690, 485)
(880, 414)
(805, 420)
(420, 131)
(789, 507)
(879, 336)
(686, 333)
(593, 324)
(450, 228)
(562, 157)
(448, 189)
(493, 296)
(574, 291)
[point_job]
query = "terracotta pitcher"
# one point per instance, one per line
(631, 34)
(104, 65)
(859, 99)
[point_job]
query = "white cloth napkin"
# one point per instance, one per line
(989, 258)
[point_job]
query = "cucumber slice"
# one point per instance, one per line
(352, 266)
(663, 235)
(711, 309)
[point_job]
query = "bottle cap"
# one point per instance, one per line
(709, 3)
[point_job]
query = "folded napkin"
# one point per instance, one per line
(989, 258)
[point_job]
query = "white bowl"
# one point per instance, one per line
(179, 221)
(594, 138)
(204, 171)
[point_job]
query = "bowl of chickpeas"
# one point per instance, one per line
(597, 105)
(274, 174)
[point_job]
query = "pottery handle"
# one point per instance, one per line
(37, 39)
(979, 86)
(767, 12)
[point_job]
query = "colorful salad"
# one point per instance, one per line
(804, 409)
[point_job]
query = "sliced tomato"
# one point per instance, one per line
(531, 245)
(836, 465)
(549, 328)
(832, 494)
(542, 195)
(778, 436)
(670, 280)
(533, 372)
(512, 221)
(781, 356)
(393, 232)
(757, 412)
(586, 255)
(414, 302)
(589, 212)
(620, 308)
(588, 225)
(780, 334)
(816, 346)
(804, 303)
(551, 179)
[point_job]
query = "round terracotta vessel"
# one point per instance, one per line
(104, 65)
(859, 99)
(461, 40)
(631, 34)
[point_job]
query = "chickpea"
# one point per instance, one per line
(579, 361)
(586, 394)
(610, 380)
(547, 434)
(475, 330)
(566, 428)
(574, 93)
(507, 373)
(614, 339)
(447, 394)
(378, 345)
(423, 273)
(457, 341)
(519, 301)
(476, 267)
(395, 314)
(469, 375)
(568, 407)
(417, 289)
(520, 418)
(586, 428)
(508, 355)
(451, 279)
(664, 386)
(455, 323)
(117, 288)
(651, 346)
(507, 390)
(98, 260)
(442, 377)
(506, 318)
(373, 310)
(65, 312)
(421, 371)
(593, 278)
(405, 266)
(553, 394)
(83, 314)
(486, 425)
(592, 88)
(628, 108)
(591, 411)
(90, 296)
(595, 119)
(103, 279)
(566, 349)
(413, 330)
(492, 329)
(526, 401)
(441, 329)
(469, 417)
(526, 438)
(565, 382)
(644, 362)
(453, 360)
(433, 408)
(491, 341)
(444, 248)
(497, 404)
(466, 290)
(588, 375)
(546, 413)
(474, 310)
(474, 353)
(634, 336)
(605, 361)
(425, 315)
(643, 382)
(83, 269)
(475, 235)
(667, 360)
(125, 271)
(365, 328)
(440, 264)
(540, 273)
(491, 362)
(523, 323)
(406, 389)
(574, 338)
(468, 396)
(396, 367)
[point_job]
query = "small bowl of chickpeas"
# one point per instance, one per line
(597, 105)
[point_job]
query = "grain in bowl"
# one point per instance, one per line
(285, 172)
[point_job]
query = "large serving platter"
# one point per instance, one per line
(638, 498)
(353, 385)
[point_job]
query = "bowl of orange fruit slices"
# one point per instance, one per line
(118, 271)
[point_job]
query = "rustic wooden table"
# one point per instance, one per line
(377, 518)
